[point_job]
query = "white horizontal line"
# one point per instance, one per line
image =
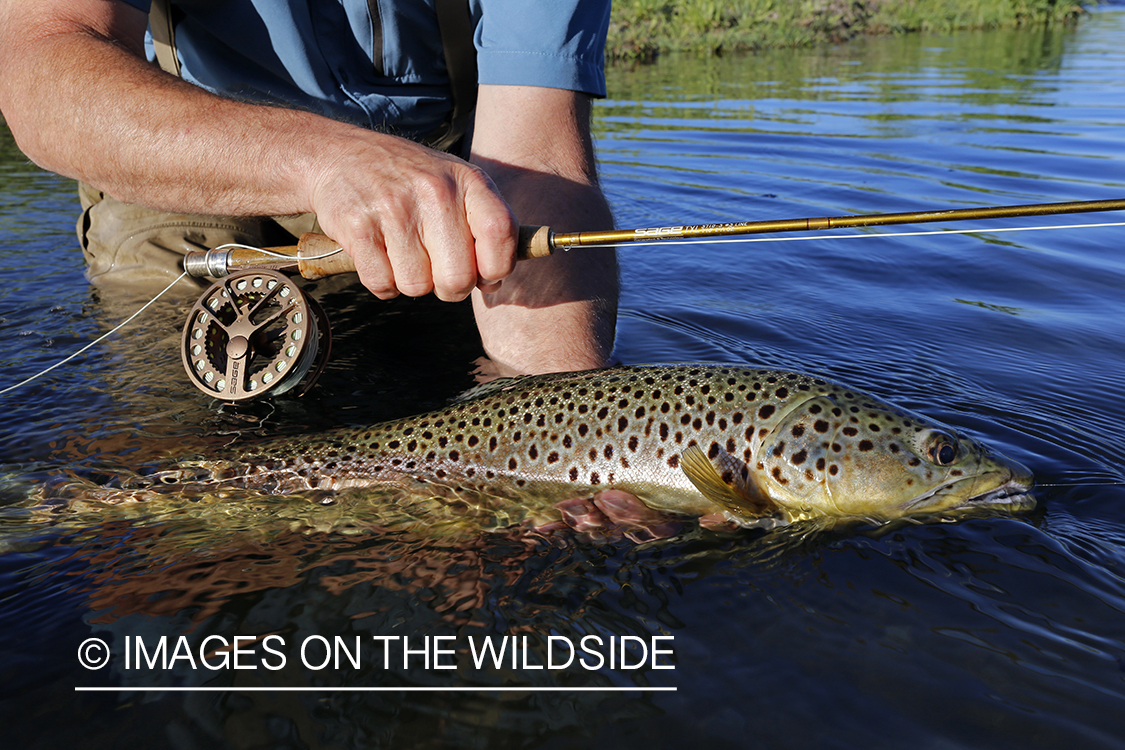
(624, 244)
(508, 689)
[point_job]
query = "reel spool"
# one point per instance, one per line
(253, 334)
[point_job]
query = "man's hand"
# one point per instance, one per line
(414, 220)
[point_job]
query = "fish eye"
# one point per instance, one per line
(942, 450)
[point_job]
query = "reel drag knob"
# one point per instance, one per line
(254, 334)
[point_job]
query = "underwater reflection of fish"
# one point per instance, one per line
(749, 447)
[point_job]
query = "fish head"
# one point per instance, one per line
(848, 454)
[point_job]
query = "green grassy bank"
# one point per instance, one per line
(643, 29)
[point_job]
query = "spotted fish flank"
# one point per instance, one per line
(762, 446)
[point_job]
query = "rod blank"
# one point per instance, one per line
(317, 256)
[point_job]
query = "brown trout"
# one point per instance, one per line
(763, 447)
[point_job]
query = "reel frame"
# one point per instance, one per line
(253, 334)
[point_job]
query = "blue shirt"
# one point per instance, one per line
(332, 57)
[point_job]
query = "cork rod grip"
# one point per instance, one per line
(319, 256)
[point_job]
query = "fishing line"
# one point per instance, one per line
(877, 235)
(272, 253)
(289, 257)
(1082, 484)
(99, 339)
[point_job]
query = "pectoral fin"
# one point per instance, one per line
(729, 486)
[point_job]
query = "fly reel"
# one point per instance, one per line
(253, 334)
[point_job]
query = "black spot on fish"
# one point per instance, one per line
(766, 411)
(866, 445)
(513, 463)
(820, 464)
(622, 424)
(674, 460)
(454, 456)
(833, 469)
(799, 457)
(633, 442)
(820, 426)
(533, 453)
(594, 478)
(798, 430)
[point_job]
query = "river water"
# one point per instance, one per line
(991, 632)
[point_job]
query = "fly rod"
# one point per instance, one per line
(316, 256)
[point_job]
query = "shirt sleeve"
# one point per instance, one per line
(139, 4)
(551, 43)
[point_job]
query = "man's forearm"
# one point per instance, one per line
(85, 104)
(414, 220)
(557, 313)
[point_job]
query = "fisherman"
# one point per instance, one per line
(349, 118)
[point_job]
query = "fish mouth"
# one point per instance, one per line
(1014, 495)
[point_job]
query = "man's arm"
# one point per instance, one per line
(557, 313)
(82, 101)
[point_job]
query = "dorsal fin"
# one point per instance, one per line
(741, 496)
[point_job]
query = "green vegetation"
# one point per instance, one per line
(643, 29)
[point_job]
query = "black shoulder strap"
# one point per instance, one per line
(163, 36)
(456, 27)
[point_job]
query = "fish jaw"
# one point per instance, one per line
(1005, 485)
